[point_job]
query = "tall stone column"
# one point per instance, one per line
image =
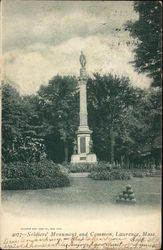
(83, 103)
(83, 131)
(84, 141)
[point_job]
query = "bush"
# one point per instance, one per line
(89, 167)
(110, 175)
(27, 170)
(138, 174)
(35, 175)
(63, 169)
(81, 167)
(101, 171)
(108, 171)
(35, 183)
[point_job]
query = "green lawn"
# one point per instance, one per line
(87, 199)
(85, 191)
(147, 190)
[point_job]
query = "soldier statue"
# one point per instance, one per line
(75, 147)
(90, 146)
(82, 59)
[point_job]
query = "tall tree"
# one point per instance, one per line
(125, 120)
(11, 120)
(109, 99)
(152, 115)
(20, 135)
(59, 102)
(149, 33)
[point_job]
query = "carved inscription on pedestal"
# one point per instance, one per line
(82, 144)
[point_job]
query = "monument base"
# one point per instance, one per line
(83, 158)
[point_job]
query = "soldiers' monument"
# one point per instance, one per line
(83, 145)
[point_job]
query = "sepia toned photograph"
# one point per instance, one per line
(81, 124)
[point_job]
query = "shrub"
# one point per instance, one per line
(138, 174)
(109, 171)
(102, 171)
(110, 175)
(81, 167)
(63, 169)
(89, 167)
(35, 175)
(35, 183)
(27, 170)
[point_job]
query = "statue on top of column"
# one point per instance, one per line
(82, 59)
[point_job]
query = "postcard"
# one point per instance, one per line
(80, 124)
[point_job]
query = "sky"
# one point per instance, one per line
(44, 38)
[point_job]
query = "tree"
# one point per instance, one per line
(20, 135)
(109, 100)
(32, 135)
(125, 120)
(152, 115)
(149, 33)
(11, 120)
(59, 105)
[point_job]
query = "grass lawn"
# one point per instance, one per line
(85, 191)
(147, 190)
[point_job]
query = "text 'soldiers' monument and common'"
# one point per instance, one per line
(83, 146)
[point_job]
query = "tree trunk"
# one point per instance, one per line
(122, 160)
(127, 162)
(66, 151)
(112, 142)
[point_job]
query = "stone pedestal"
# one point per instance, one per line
(83, 158)
(83, 147)
(84, 154)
